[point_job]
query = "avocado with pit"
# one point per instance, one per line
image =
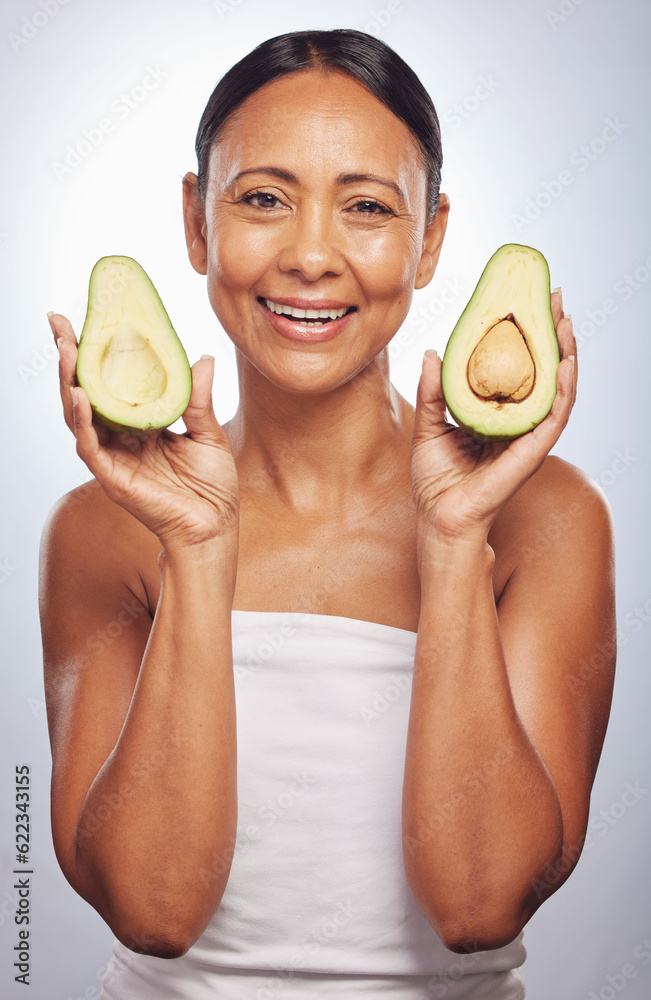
(130, 361)
(499, 367)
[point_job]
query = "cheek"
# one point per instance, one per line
(228, 260)
(388, 265)
(237, 255)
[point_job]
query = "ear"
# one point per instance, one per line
(194, 220)
(432, 242)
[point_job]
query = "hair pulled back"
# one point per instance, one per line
(363, 57)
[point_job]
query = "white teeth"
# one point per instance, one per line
(279, 309)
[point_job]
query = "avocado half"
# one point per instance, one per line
(130, 361)
(499, 367)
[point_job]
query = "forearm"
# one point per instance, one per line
(481, 816)
(163, 808)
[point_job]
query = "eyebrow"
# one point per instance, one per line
(342, 179)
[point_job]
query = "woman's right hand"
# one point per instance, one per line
(183, 487)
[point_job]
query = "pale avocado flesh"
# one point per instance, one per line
(499, 366)
(130, 362)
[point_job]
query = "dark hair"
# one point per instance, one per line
(361, 56)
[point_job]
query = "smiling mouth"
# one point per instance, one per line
(307, 317)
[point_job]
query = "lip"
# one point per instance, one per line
(296, 330)
(307, 303)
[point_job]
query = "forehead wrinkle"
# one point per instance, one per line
(259, 130)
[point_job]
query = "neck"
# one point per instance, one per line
(324, 451)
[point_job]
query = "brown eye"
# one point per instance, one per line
(262, 199)
(371, 208)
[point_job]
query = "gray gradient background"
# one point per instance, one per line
(554, 85)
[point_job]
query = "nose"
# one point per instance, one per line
(312, 247)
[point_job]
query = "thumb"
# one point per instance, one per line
(429, 420)
(199, 416)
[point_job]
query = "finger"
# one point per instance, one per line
(199, 416)
(565, 337)
(557, 305)
(576, 364)
(67, 345)
(567, 345)
(61, 327)
(429, 419)
(564, 332)
(551, 427)
(89, 447)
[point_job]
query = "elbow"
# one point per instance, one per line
(467, 929)
(159, 919)
(161, 923)
(158, 934)
(467, 937)
(472, 921)
(157, 941)
(163, 930)
(475, 915)
(154, 929)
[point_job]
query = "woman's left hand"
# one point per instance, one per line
(459, 484)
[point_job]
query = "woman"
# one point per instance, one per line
(398, 612)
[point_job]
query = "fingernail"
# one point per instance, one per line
(569, 316)
(571, 358)
(429, 353)
(74, 398)
(208, 357)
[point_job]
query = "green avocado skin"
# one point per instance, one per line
(469, 429)
(122, 296)
(533, 279)
(125, 428)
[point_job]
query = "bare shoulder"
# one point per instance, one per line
(86, 531)
(88, 505)
(559, 480)
(560, 509)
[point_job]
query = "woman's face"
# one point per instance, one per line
(316, 199)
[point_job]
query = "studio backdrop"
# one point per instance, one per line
(544, 107)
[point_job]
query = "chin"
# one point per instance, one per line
(302, 378)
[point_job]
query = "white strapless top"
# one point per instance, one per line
(317, 902)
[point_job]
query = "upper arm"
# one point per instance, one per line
(94, 631)
(557, 621)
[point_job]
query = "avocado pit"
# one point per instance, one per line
(501, 367)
